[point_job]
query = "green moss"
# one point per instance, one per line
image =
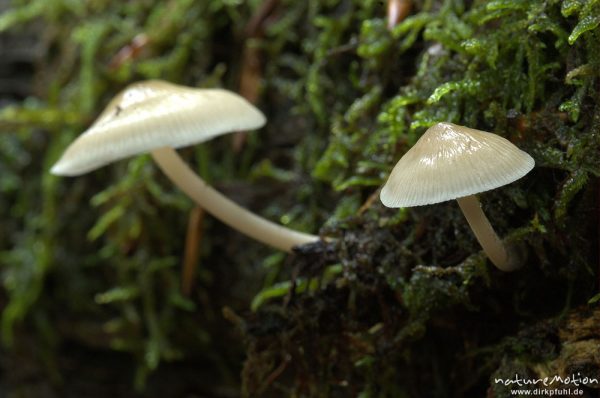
(507, 66)
(346, 97)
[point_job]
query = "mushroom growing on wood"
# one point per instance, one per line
(455, 162)
(157, 117)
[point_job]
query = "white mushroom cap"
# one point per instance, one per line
(154, 114)
(451, 161)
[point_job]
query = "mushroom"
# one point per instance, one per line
(456, 162)
(157, 117)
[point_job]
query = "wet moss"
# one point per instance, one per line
(398, 302)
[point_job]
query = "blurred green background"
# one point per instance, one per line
(402, 303)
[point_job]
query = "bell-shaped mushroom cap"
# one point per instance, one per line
(451, 161)
(154, 114)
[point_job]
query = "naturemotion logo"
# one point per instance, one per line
(572, 380)
(548, 386)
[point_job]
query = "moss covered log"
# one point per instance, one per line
(398, 303)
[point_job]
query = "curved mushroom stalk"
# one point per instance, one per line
(224, 209)
(492, 245)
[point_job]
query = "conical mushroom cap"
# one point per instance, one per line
(153, 114)
(451, 161)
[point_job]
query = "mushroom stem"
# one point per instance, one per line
(485, 234)
(224, 209)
